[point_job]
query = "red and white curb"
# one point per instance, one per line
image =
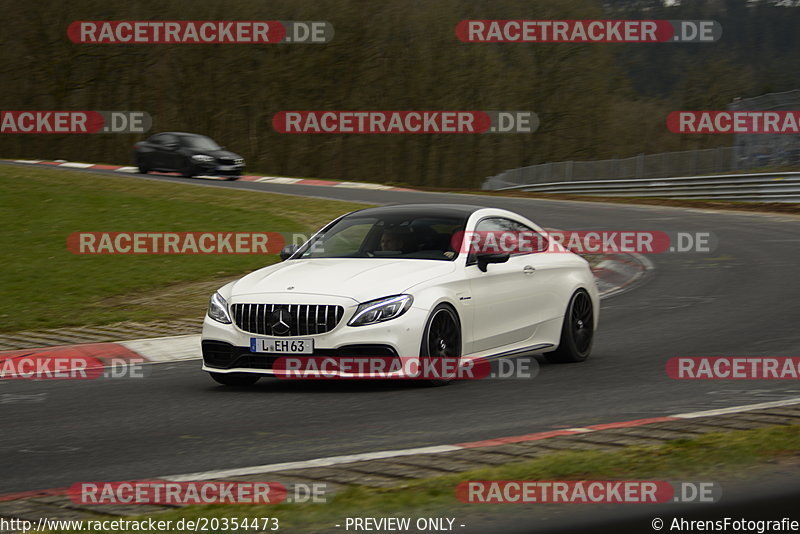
(382, 455)
(98, 355)
(155, 350)
(244, 178)
(619, 273)
(166, 349)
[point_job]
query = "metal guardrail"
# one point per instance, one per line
(759, 187)
(743, 157)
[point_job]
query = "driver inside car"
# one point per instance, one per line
(392, 241)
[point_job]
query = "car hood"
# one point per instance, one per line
(360, 279)
(215, 153)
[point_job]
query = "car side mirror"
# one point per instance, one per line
(171, 146)
(287, 251)
(485, 259)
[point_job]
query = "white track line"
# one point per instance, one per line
(737, 409)
(319, 462)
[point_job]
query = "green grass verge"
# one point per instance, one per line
(46, 286)
(720, 457)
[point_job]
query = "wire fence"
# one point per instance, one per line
(757, 150)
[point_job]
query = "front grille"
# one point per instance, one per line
(287, 319)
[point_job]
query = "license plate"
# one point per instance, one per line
(282, 346)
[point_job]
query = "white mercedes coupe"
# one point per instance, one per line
(419, 282)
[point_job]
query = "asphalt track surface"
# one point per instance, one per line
(739, 300)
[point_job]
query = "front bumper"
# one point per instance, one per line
(212, 169)
(219, 356)
(230, 170)
(226, 348)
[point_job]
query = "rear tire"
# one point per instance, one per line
(143, 169)
(235, 379)
(577, 331)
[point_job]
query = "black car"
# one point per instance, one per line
(186, 153)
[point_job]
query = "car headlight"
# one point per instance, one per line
(202, 158)
(384, 309)
(218, 309)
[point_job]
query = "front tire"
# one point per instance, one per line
(441, 338)
(577, 331)
(235, 379)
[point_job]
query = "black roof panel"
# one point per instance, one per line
(419, 210)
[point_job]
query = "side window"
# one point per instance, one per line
(498, 235)
(169, 140)
(529, 240)
(157, 139)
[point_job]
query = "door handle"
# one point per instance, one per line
(529, 269)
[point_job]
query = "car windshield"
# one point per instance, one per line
(199, 142)
(422, 237)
